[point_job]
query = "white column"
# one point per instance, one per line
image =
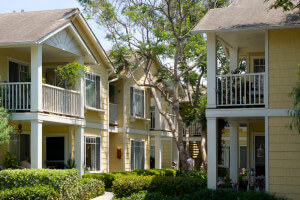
(233, 53)
(157, 152)
(234, 151)
(79, 148)
(81, 89)
(211, 69)
(267, 154)
(36, 78)
(36, 144)
(71, 130)
(212, 156)
(175, 153)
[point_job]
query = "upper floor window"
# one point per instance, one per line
(137, 102)
(18, 72)
(258, 65)
(92, 90)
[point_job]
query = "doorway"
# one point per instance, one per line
(259, 155)
(55, 152)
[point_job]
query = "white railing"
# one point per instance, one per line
(60, 101)
(113, 113)
(194, 129)
(240, 89)
(15, 96)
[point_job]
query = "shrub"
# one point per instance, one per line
(125, 186)
(62, 181)
(11, 161)
(195, 174)
(90, 188)
(30, 193)
(156, 172)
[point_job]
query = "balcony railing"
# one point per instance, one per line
(60, 101)
(15, 96)
(194, 130)
(113, 114)
(241, 89)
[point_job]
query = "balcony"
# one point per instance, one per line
(15, 97)
(113, 114)
(194, 130)
(240, 90)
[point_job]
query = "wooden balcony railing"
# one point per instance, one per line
(60, 101)
(241, 89)
(113, 114)
(194, 130)
(15, 96)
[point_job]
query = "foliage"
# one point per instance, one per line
(125, 186)
(201, 174)
(29, 193)
(156, 172)
(204, 194)
(295, 112)
(5, 128)
(90, 188)
(70, 164)
(69, 74)
(287, 5)
(62, 181)
(11, 161)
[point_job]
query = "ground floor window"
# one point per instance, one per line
(137, 154)
(92, 153)
(224, 162)
(19, 145)
(243, 157)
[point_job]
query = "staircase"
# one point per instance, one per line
(194, 149)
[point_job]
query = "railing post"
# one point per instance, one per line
(36, 78)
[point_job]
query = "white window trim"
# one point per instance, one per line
(100, 87)
(95, 136)
(137, 140)
(22, 62)
(252, 62)
(137, 117)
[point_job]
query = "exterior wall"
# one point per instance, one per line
(166, 153)
(115, 141)
(242, 135)
(284, 148)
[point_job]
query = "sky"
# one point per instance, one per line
(34, 5)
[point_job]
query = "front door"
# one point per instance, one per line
(55, 152)
(259, 155)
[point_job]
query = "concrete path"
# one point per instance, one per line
(106, 196)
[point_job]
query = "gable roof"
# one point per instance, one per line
(247, 14)
(22, 27)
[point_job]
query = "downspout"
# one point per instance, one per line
(108, 82)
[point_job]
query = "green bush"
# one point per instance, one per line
(156, 172)
(62, 181)
(90, 188)
(195, 174)
(125, 186)
(30, 193)
(11, 161)
(204, 195)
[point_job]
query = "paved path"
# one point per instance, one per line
(106, 196)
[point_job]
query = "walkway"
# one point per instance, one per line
(106, 196)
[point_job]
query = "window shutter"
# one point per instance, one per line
(98, 92)
(131, 101)
(98, 156)
(132, 155)
(143, 154)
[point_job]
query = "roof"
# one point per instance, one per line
(20, 27)
(247, 14)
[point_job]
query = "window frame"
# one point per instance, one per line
(137, 140)
(131, 102)
(19, 62)
(19, 144)
(100, 93)
(93, 136)
(252, 63)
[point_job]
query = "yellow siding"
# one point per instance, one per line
(166, 153)
(115, 141)
(284, 51)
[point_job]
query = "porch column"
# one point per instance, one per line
(233, 53)
(80, 88)
(71, 130)
(79, 148)
(36, 90)
(157, 152)
(234, 151)
(212, 156)
(211, 69)
(36, 144)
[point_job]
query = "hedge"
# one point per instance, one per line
(90, 188)
(156, 172)
(62, 181)
(204, 194)
(125, 186)
(30, 193)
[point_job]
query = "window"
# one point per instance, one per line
(19, 145)
(225, 157)
(137, 102)
(18, 72)
(258, 65)
(92, 91)
(243, 157)
(152, 117)
(137, 159)
(92, 153)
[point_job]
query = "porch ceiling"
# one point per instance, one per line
(245, 41)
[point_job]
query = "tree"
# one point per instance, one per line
(5, 128)
(287, 5)
(295, 112)
(144, 32)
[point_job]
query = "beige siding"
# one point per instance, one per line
(115, 141)
(166, 154)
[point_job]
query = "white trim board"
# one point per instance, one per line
(96, 125)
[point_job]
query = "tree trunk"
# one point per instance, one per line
(203, 150)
